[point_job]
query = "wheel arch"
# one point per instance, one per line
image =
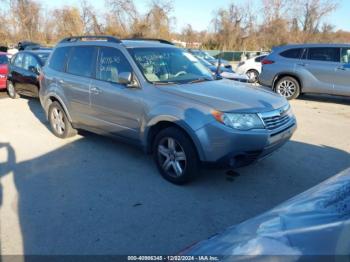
(53, 98)
(153, 129)
(287, 74)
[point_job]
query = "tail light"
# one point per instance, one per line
(267, 62)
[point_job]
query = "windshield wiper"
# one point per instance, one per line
(202, 79)
(164, 83)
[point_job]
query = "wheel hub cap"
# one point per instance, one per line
(172, 157)
(57, 120)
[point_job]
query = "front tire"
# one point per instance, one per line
(175, 156)
(288, 87)
(59, 122)
(11, 90)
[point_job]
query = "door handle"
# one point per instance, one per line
(61, 81)
(95, 90)
(302, 64)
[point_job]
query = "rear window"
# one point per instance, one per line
(294, 53)
(328, 54)
(59, 58)
(260, 58)
(81, 61)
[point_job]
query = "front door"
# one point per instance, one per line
(342, 71)
(117, 109)
(31, 67)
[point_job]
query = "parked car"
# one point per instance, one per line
(212, 60)
(251, 67)
(311, 68)
(24, 71)
(313, 226)
(3, 69)
(224, 72)
(162, 99)
(25, 44)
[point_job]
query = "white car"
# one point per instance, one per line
(251, 67)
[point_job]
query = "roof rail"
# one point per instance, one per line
(92, 37)
(162, 41)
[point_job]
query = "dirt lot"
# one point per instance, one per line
(92, 195)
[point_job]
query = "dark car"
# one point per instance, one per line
(24, 71)
(212, 60)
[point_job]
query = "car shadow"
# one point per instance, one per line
(342, 100)
(98, 196)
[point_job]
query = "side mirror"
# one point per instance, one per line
(33, 69)
(127, 79)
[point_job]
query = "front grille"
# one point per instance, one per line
(277, 118)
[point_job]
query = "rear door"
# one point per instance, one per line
(320, 66)
(31, 67)
(117, 109)
(342, 73)
(76, 82)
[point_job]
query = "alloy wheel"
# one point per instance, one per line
(253, 76)
(286, 88)
(11, 89)
(172, 157)
(57, 120)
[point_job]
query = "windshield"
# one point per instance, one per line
(3, 59)
(43, 57)
(169, 65)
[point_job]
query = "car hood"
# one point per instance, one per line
(229, 96)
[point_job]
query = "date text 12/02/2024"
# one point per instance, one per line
(173, 258)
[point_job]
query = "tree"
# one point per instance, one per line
(68, 22)
(89, 18)
(26, 18)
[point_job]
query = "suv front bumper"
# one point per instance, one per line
(226, 147)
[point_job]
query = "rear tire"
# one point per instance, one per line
(59, 122)
(288, 87)
(253, 75)
(11, 90)
(175, 156)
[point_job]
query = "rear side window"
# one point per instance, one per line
(328, 54)
(59, 58)
(110, 63)
(294, 53)
(81, 61)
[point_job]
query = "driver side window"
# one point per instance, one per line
(30, 61)
(345, 55)
(110, 63)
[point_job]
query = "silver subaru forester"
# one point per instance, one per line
(162, 99)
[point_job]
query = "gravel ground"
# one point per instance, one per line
(93, 195)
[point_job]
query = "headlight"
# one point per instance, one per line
(2, 76)
(239, 121)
